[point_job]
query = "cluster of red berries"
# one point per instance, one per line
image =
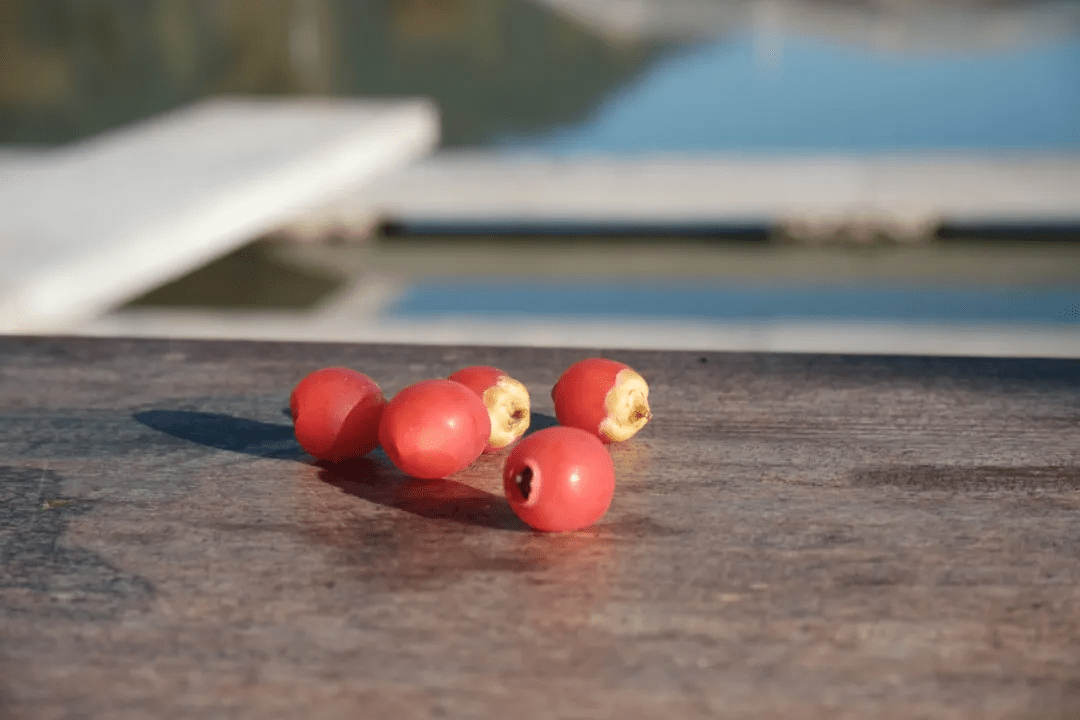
(560, 478)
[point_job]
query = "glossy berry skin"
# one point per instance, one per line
(604, 397)
(559, 479)
(506, 400)
(336, 413)
(434, 428)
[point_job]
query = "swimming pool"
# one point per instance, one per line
(816, 95)
(728, 302)
(518, 76)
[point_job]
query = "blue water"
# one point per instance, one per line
(813, 95)
(739, 303)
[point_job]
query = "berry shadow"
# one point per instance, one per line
(225, 432)
(540, 421)
(372, 478)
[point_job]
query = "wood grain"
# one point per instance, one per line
(793, 536)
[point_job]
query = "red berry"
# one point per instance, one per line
(336, 413)
(559, 479)
(506, 399)
(434, 428)
(605, 397)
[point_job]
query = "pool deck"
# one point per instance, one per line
(881, 24)
(907, 194)
(792, 536)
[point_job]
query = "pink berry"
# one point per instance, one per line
(506, 399)
(434, 428)
(604, 397)
(559, 479)
(336, 413)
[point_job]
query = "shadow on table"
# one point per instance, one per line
(375, 479)
(225, 432)
(372, 478)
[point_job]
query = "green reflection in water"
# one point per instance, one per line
(73, 68)
(267, 274)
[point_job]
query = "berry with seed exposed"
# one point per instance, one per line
(604, 397)
(506, 399)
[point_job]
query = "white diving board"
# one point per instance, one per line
(86, 227)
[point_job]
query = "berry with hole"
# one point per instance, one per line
(434, 428)
(336, 413)
(506, 399)
(604, 397)
(559, 479)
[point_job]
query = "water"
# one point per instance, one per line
(813, 95)
(740, 302)
(495, 67)
(517, 76)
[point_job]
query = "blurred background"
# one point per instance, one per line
(614, 173)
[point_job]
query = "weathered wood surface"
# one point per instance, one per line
(793, 536)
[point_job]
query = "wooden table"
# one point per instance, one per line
(793, 536)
